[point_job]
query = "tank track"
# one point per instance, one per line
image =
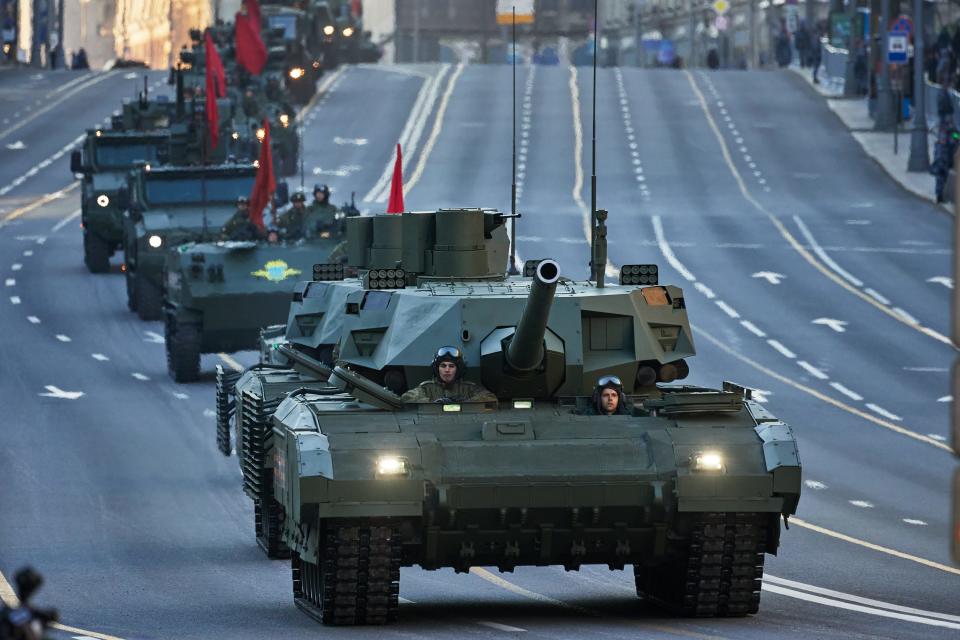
(718, 571)
(225, 407)
(255, 431)
(357, 581)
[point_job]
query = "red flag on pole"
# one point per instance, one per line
(216, 87)
(266, 183)
(251, 52)
(395, 205)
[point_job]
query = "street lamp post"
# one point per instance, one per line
(919, 161)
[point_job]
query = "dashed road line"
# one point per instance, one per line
(853, 395)
(33, 319)
(11, 282)
(863, 504)
(14, 299)
(752, 328)
(812, 370)
(815, 484)
(786, 353)
(60, 225)
(727, 309)
(99, 356)
(16, 266)
(63, 338)
(883, 412)
(140, 376)
(915, 522)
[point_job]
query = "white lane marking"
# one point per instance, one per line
(853, 395)
(927, 369)
(727, 309)
(180, 395)
(359, 142)
(945, 281)
(16, 146)
(883, 412)
(34, 170)
(11, 282)
(945, 399)
(57, 392)
(63, 338)
(817, 249)
(14, 299)
(28, 253)
(786, 353)
(752, 328)
(863, 504)
(840, 604)
(412, 131)
(33, 319)
(705, 290)
(209, 413)
(60, 225)
(770, 276)
(815, 484)
(812, 370)
(403, 600)
(140, 376)
(760, 395)
(937, 437)
(914, 521)
(99, 356)
(840, 326)
(909, 319)
(668, 252)
(153, 337)
(500, 627)
(16, 266)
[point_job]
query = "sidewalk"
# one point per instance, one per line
(879, 145)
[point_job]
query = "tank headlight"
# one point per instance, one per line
(329, 30)
(707, 461)
(284, 119)
(155, 241)
(261, 133)
(391, 466)
(347, 32)
(103, 199)
(99, 133)
(235, 135)
(324, 234)
(523, 404)
(451, 407)
(296, 73)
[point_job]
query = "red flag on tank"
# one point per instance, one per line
(266, 183)
(251, 52)
(216, 87)
(395, 205)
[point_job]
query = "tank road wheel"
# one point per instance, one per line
(148, 298)
(96, 253)
(718, 571)
(357, 580)
(268, 523)
(183, 350)
(226, 407)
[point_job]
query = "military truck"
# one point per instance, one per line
(217, 296)
(289, 48)
(687, 485)
(104, 161)
(170, 206)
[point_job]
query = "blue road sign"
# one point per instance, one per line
(897, 42)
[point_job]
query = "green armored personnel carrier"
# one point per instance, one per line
(217, 296)
(104, 161)
(170, 206)
(686, 485)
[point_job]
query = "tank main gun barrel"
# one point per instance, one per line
(525, 351)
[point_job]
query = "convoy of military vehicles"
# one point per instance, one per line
(352, 477)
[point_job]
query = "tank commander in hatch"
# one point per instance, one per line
(291, 222)
(447, 384)
(240, 227)
(608, 398)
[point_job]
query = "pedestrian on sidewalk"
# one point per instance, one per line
(816, 54)
(803, 44)
(947, 141)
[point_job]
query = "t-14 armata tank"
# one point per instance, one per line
(685, 484)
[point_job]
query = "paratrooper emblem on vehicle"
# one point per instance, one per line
(275, 271)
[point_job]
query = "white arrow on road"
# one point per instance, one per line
(355, 141)
(16, 146)
(57, 392)
(154, 337)
(837, 325)
(771, 276)
(945, 281)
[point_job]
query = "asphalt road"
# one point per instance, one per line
(806, 274)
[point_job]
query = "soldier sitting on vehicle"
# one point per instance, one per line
(291, 221)
(608, 398)
(447, 384)
(323, 219)
(240, 227)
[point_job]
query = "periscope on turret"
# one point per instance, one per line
(688, 486)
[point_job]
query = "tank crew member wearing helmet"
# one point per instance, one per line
(291, 222)
(322, 219)
(240, 227)
(447, 384)
(608, 398)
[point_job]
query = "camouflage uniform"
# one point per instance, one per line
(239, 227)
(321, 217)
(458, 391)
(291, 223)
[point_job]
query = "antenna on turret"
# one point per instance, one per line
(513, 187)
(598, 266)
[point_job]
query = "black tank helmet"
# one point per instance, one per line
(448, 354)
(298, 196)
(321, 192)
(609, 382)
